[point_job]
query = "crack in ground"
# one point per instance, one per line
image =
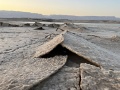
(9, 51)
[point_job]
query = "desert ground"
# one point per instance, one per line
(59, 55)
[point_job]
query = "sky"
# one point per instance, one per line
(64, 7)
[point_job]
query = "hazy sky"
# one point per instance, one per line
(65, 7)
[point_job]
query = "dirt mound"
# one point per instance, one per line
(54, 25)
(40, 28)
(37, 24)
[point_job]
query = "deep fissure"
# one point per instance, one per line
(73, 59)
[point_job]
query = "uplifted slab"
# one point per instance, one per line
(94, 78)
(23, 74)
(49, 46)
(93, 53)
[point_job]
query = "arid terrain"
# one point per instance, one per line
(59, 55)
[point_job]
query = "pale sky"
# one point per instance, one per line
(64, 7)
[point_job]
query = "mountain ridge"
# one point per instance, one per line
(19, 14)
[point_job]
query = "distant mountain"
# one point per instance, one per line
(83, 17)
(17, 14)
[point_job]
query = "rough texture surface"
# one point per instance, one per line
(94, 78)
(22, 75)
(66, 79)
(91, 52)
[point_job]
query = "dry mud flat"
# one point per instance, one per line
(58, 60)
